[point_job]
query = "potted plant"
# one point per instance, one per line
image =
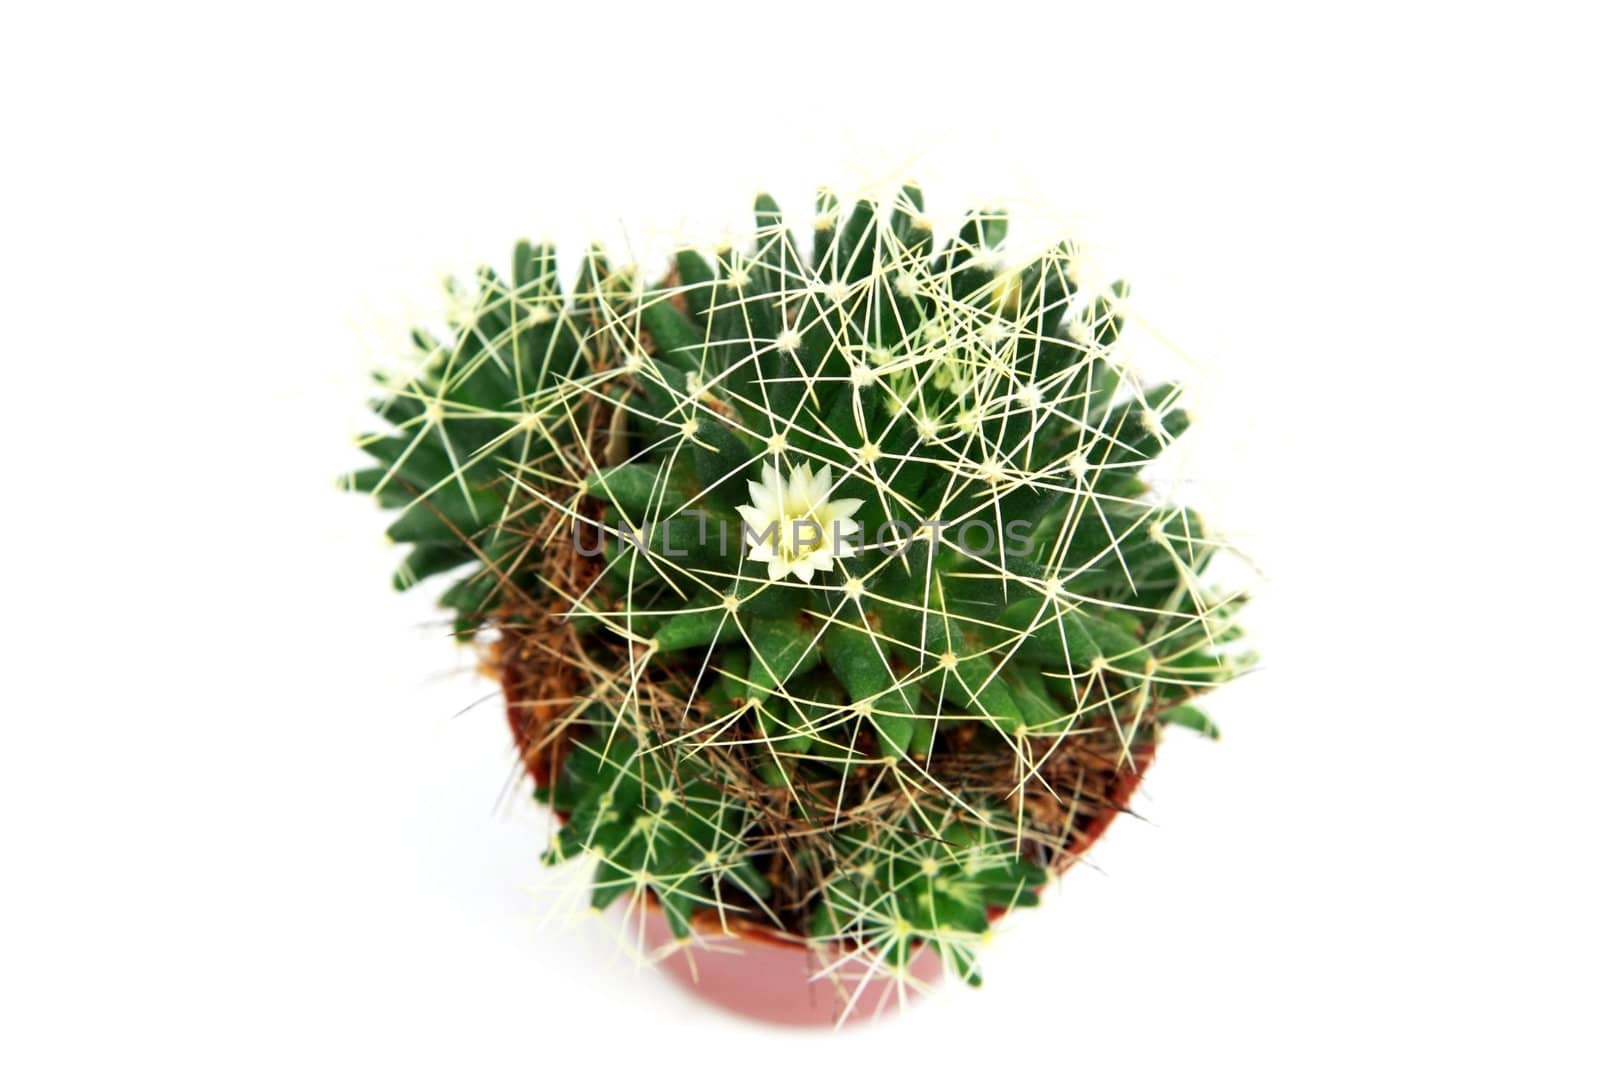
(832, 614)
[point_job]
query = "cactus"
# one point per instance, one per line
(825, 590)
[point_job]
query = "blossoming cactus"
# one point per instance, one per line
(825, 590)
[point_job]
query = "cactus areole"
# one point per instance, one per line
(824, 585)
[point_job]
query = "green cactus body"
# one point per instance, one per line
(891, 718)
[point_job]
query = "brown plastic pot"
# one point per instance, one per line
(762, 974)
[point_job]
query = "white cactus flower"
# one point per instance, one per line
(792, 526)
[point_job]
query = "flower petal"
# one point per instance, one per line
(754, 516)
(822, 484)
(844, 507)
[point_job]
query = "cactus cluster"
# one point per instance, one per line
(823, 583)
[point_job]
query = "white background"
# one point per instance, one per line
(250, 808)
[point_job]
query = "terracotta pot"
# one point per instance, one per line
(761, 974)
